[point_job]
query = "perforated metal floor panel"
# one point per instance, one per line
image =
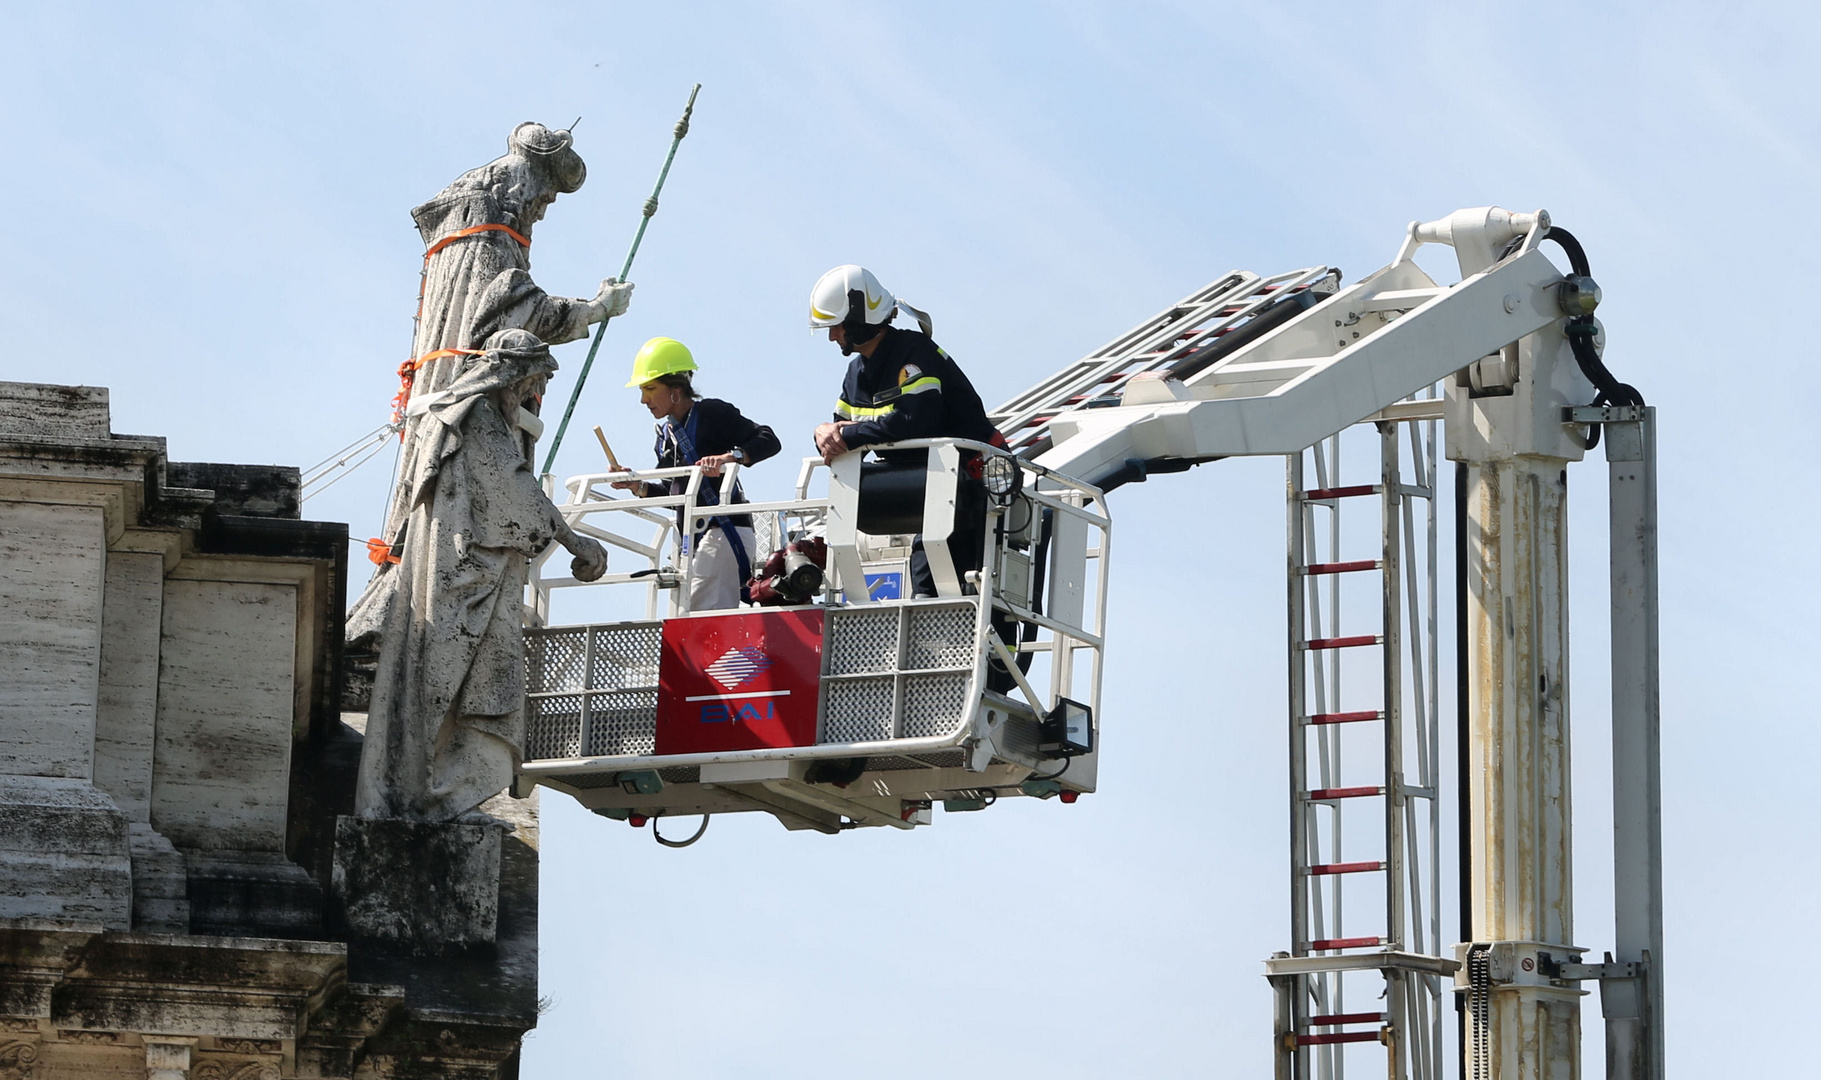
(591, 690)
(894, 671)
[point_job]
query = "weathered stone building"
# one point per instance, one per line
(173, 762)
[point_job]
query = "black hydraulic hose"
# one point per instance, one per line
(1577, 255)
(1581, 333)
(1265, 320)
(700, 829)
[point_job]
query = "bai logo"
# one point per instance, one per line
(735, 669)
(723, 712)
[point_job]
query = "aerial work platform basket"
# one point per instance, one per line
(864, 706)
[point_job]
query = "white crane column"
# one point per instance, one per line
(1505, 424)
(1518, 753)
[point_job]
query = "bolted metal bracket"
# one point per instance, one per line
(1519, 963)
(1603, 414)
(1573, 972)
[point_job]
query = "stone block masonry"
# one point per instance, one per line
(173, 763)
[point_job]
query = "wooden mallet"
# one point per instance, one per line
(608, 450)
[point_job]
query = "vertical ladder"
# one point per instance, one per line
(1364, 745)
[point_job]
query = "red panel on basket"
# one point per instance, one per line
(739, 682)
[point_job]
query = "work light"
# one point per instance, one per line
(1002, 476)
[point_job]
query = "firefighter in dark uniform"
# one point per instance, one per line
(901, 385)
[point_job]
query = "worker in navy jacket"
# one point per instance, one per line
(900, 385)
(711, 433)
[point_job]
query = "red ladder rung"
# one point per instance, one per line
(1349, 1018)
(1344, 642)
(1330, 944)
(1342, 567)
(1337, 1037)
(1318, 494)
(1346, 717)
(1321, 869)
(1326, 793)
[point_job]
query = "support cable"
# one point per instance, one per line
(326, 475)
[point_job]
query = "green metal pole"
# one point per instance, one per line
(651, 207)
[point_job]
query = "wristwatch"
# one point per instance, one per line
(738, 455)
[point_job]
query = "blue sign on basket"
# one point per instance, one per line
(888, 585)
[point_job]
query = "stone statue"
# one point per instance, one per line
(477, 282)
(446, 721)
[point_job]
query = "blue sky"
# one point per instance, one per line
(210, 217)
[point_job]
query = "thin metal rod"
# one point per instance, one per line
(651, 208)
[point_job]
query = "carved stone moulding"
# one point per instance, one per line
(236, 1070)
(16, 1059)
(91, 1038)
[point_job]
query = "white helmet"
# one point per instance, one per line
(849, 295)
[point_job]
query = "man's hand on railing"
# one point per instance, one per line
(829, 442)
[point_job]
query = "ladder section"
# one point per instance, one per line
(1193, 332)
(1365, 922)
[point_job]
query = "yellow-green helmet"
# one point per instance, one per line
(660, 356)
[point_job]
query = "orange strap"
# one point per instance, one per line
(438, 355)
(407, 375)
(461, 234)
(407, 371)
(380, 552)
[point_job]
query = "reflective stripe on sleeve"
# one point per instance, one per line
(860, 412)
(918, 386)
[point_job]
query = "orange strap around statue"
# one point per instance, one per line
(407, 376)
(407, 371)
(379, 552)
(461, 234)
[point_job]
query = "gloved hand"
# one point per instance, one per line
(613, 299)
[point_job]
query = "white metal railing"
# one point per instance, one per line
(663, 562)
(1055, 532)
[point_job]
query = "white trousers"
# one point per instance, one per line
(714, 573)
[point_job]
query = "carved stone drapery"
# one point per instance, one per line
(446, 723)
(477, 282)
